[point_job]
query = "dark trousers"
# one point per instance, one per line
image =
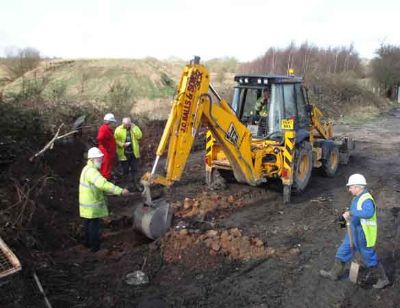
(129, 166)
(92, 233)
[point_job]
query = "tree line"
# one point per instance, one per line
(307, 60)
(313, 62)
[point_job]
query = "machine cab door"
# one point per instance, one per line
(251, 107)
(287, 102)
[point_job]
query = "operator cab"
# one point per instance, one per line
(286, 100)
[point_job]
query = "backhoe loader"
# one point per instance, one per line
(284, 143)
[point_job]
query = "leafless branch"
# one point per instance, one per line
(50, 144)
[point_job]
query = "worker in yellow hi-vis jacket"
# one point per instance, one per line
(92, 202)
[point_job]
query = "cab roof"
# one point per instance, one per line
(262, 80)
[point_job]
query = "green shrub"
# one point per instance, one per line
(57, 91)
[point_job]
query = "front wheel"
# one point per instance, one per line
(331, 163)
(302, 166)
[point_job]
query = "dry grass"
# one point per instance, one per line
(157, 109)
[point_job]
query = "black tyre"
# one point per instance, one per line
(302, 166)
(331, 163)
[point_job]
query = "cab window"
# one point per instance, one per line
(303, 119)
(276, 109)
(290, 102)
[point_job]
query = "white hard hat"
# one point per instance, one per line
(109, 117)
(356, 179)
(94, 153)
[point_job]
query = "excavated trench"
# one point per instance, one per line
(238, 247)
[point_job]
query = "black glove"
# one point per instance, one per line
(342, 221)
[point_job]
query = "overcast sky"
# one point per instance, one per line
(243, 29)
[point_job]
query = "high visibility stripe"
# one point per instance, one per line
(287, 160)
(209, 143)
(289, 143)
(288, 153)
(368, 222)
(91, 205)
(85, 185)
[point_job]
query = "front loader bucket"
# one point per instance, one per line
(153, 220)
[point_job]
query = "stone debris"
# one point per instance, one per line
(230, 243)
(205, 203)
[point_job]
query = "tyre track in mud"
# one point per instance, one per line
(376, 158)
(309, 222)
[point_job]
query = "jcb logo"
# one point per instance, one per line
(231, 134)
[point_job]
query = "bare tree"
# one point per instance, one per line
(20, 61)
(306, 59)
(386, 67)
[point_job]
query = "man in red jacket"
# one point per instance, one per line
(106, 141)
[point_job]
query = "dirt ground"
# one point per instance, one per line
(243, 248)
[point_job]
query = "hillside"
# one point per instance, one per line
(138, 86)
(101, 83)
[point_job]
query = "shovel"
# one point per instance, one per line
(354, 266)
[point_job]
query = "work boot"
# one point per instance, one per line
(336, 271)
(383, 280)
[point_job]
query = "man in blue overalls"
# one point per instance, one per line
(363, 224)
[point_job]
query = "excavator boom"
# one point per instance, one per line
(192, 106)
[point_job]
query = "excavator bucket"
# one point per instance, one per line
(153, 218)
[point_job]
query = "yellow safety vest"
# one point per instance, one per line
(92, 185)
(120, 137)
(261, 109)
(368, 225)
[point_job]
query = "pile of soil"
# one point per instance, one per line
(230, 243)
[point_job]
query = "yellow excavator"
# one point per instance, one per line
(284, 142)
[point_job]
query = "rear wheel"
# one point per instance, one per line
(302, 167)
(331, 163)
